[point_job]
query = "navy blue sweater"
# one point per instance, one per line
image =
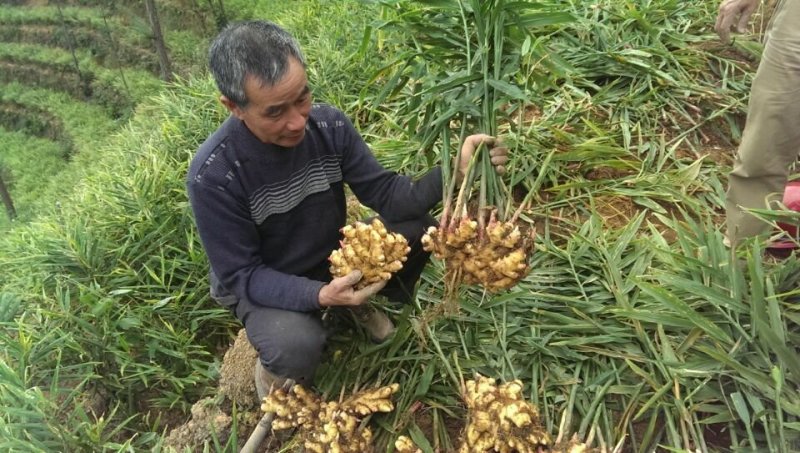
(269, 216)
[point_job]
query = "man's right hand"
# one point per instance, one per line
(340, 291)
(729, 10)
(498, 154)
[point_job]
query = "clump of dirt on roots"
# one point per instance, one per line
(212, 416)
(207, 417)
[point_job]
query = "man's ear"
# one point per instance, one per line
(231, 106)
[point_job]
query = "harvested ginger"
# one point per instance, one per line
(329, 426)
(495, 258)
(371, 249)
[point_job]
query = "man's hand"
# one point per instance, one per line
(497, 152)
(340, 291)
(729, 10)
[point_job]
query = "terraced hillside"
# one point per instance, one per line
(71, 73)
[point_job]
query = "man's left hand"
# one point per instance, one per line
(734, 14)
(497, 153)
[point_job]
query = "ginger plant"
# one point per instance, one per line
(481, 241)
(480, 244)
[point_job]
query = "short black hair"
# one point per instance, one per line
(256, 48)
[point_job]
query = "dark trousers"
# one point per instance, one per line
(290, 343)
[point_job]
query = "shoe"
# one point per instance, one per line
(375, 322)
(266, 381)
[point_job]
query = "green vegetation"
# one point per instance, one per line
(60, 70)
(79, 127)
(116, 34)
(636, 326)
(42, 157)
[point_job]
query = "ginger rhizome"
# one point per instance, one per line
(480, 244)
(495, 257)
(500, 419)
(330, 426)
(404, 444)
(371, 249)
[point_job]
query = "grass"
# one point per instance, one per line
(117, 34)
(42, 157)
(85, 126)
(108, 269)
(635, 328)
(117, 90)
(91, 54)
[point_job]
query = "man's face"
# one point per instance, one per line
(276, 114)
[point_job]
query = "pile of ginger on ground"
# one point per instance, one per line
(499, 419)
(328, 426)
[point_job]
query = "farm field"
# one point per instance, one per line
(635, 329)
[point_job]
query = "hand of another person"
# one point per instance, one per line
(340, 291)
(729, 11)
(497, 152)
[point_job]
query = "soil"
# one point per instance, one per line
(213, 417)
(424, 421)
(207, 418)
(236, 380)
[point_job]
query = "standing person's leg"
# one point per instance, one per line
(771, 138)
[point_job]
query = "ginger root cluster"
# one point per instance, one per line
(500, 419)
(328, 426)
(404, 444)
(495, 257)
(371, 249)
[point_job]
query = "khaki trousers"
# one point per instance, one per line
(771, 138)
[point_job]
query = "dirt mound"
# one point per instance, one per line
(207, 419)
(212, 418)
(236, 381)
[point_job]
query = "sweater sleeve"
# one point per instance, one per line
(395, 197)
(231, 243)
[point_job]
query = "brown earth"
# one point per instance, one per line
(213, 417)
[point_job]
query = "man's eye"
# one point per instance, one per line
(274, 113)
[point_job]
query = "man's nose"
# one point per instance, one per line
(298, 121)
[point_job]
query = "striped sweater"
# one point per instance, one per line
(268, 217)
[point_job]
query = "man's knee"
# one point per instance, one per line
(289, 344)
(296, 356)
